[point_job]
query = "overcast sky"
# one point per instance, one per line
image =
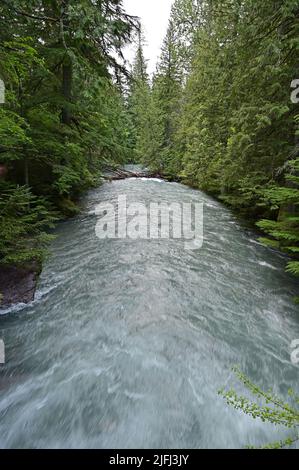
(154, 16)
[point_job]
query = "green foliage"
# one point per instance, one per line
(237, 115)
(64, 115)
(217, 113)
(284, 232)
(24, 221)
(156, 107)
(221, 109)
(267, 407)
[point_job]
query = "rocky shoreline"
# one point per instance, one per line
(18, 284)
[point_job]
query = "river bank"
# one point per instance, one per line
(143, 334)
(18, 283)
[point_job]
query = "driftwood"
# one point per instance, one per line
(113, 174)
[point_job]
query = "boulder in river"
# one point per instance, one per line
(18, 283)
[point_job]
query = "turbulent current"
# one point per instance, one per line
(129, 341)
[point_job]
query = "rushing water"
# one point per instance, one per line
(128, 342)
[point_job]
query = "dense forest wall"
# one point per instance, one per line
(63, 115)
(221, 113)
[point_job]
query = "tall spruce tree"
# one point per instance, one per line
(139, 99)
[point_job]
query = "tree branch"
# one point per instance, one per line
(28, 15)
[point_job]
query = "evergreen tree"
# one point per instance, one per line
(64, 115)
(228, 124)
(139, 99)
(169, 83)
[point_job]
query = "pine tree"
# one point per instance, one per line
(64, 116)
(139, 98)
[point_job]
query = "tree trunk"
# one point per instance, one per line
(26, 171)
(67, 73)
(67, 67)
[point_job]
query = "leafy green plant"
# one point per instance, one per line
(284, 232)
(64, 112)
(267, 407)
(24, 221)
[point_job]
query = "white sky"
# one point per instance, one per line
(154, 15)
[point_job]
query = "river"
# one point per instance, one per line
(128, 342)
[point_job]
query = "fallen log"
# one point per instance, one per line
(121, 174)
